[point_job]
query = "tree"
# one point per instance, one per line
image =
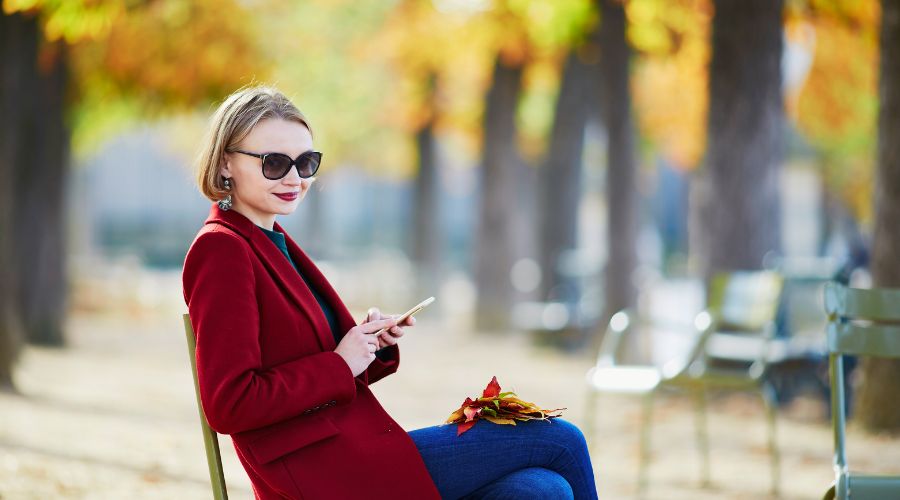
(882, 376)
(621, 172)
(736, 209)
(15, 51)
(500, 159)
(39, 197)
(561, 171)
(427, 236)
(79, 63)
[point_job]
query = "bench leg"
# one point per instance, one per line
(644, 458)
(699, 395)
(768, 396)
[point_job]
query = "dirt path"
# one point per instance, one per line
(113, 417)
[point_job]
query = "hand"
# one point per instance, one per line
(391, 336)
(359, 345)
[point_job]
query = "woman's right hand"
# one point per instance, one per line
(359, 345)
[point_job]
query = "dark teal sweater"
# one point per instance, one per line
(280, 242)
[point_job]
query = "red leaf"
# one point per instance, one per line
(464, 426)
(492, 389)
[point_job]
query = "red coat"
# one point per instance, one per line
(302, 425)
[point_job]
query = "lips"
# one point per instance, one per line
(287, 196)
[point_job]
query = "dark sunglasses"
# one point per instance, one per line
(277, 165)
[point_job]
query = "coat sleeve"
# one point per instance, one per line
(386, 363)
(236, 393)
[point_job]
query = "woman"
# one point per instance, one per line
(285, 370)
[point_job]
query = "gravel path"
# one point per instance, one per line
(113, 417)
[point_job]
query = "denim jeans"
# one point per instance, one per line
(535, 459)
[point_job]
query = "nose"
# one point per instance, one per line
(292, 178)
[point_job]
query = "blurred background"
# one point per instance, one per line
(536, 165)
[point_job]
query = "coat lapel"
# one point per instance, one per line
(287, 276)
(313, 274)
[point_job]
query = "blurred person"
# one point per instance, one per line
(285, 370)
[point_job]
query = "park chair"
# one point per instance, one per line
(862, 323)
(729, 350)
(210, 438)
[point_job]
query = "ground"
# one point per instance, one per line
(114, 416)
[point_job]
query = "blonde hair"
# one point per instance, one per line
(235, 118)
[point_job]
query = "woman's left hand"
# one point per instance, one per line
(391, 336)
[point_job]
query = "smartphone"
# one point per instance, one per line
(418, 307)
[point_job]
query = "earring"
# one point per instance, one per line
(225, 204)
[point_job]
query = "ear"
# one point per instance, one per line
(225, 166)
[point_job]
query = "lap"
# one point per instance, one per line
(489, 452)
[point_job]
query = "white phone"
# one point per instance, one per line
(418, 307)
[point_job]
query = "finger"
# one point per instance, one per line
(410, 321)
(372, 314)
(374, 326)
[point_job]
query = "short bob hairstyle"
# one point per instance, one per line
(235, 118)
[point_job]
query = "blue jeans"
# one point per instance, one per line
(535, 459)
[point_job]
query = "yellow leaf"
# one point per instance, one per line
(496, 420)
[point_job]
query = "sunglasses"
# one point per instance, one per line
(277, 165)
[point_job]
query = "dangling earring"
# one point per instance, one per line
(225, 204)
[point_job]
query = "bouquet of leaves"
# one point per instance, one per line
(498, 407)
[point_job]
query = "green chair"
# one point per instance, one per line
(210, 438)
(860, 323)
(611, 376)
(730, 351)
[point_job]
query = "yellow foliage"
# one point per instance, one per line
(670, 81)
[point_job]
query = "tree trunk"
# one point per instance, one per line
(561, 175)
(16, 50)
(736, 209)
(621, 170)
(40, 200)
(496, 231)
(876, 408)
(426, 234)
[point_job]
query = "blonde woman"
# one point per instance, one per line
(285, 370)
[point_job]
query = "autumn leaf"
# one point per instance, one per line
(502, 408)
(492, 389)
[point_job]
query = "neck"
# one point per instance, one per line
(262, 220)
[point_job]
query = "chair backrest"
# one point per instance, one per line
(743, 306)
(860, 322)
(745, 301)
(210, 438)
(863, 322)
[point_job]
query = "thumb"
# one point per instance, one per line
(373, 314)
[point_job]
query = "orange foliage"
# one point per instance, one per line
(670, 81)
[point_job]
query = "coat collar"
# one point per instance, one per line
(285, 274)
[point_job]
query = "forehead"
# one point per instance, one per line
(274, 135)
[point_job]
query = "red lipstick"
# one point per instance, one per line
(287, 196)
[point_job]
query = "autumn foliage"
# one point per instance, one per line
(498, 407)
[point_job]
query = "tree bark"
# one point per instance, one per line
(735, 199)
(495, 248)
(561, 174)
(426, 234)
(40, 181)
(876, 406)
(16, 49)
(621, 170)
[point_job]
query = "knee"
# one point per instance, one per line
(568, 435)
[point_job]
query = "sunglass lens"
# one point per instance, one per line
(276, 166)
(308, 164)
